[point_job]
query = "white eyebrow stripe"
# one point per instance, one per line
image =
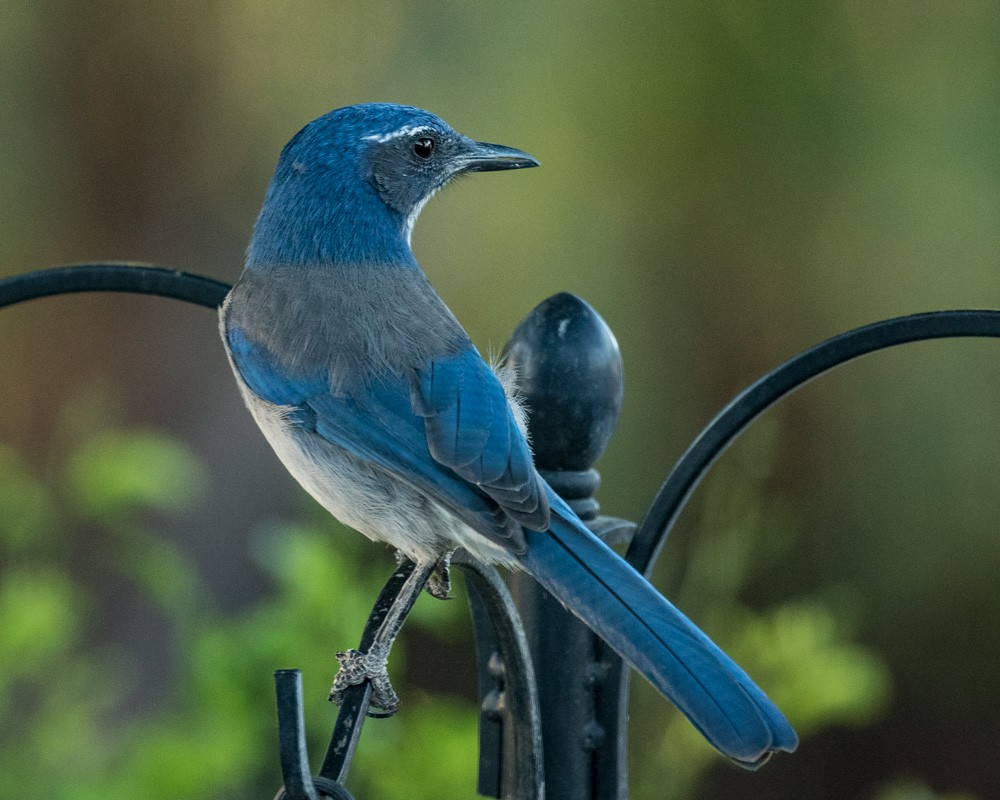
(408, 130)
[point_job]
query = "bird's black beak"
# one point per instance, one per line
(485, 157)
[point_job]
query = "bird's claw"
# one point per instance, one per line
(356, 668)
(439, 582)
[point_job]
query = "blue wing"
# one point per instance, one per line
(445, 429)
(471, 430)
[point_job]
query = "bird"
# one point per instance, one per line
(375, 399)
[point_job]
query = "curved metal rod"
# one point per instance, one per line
(765, 392)
(510, 722)
(114, 277)
(355, 704)
(295, 773)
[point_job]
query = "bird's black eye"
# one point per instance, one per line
(423, 147)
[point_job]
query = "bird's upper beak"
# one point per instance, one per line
(486, 157)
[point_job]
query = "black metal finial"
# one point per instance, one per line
(569, 369)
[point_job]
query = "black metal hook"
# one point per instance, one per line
(295, 772)
(355, 703)
(510, 763)
(298, 781)
(114, 277)
(749, 404)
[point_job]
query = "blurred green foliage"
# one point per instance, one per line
(213, 736)
(914, 790)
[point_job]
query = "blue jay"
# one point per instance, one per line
(375, 399)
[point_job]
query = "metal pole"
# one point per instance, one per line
(570, 371)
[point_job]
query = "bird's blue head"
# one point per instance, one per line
(349, 186)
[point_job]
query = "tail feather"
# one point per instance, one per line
(645, 629)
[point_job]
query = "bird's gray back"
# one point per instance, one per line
(354, 323)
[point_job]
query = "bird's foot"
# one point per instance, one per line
(439, 582)
(357, 667)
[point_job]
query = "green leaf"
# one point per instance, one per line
(121, 470)
(908, 789)
(27, 511)
(39, 617)
(803, 657)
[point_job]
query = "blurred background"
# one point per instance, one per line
(726, 182)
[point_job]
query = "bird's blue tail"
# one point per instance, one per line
(645, 629)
